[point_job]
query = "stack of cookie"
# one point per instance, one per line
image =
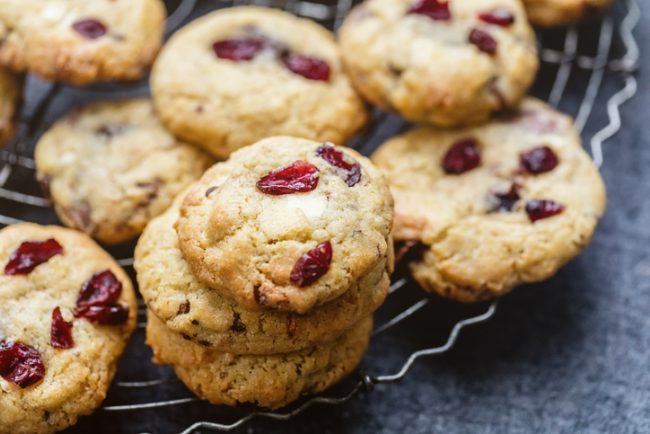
(261, 280)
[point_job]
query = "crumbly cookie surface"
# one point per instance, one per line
(111, 167)
(224, 103)
(482, 231)
(10, 96)
(473, 58)
(76, 379)
(79, 41)
(551, 13)
(227, 217)
(270, 381)
(202, 315)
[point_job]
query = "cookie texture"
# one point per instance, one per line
(445, 63)
(270, 381)
(76, 379)
(250, 243)
(551, 13)
(110, 167)
(530, 204)
(79, 41)
(242, 74)
(10, 97)
(204, 316)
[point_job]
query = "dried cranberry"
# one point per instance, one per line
(504, 200)
(463, 156)
(311, 68)
(239, 50)
(500, 17)
(349, 171)
(31, 254)
(113, 314)
(312, 265)
(540, 209)
(298, 177)
(434, 9)
(61, 331)
(483, 40)
(98, 297)
(90, 28)
(538, 160)
(20, 364)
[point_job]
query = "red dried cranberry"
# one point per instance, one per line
(20, 364)
(61, 331)
(102, 288)
(538, 160)
(98, 297)
(540, 209)
(504, 200)
(112, 314)
(311, 68)
(298, 177)
(434, 9)
(500, 17)
(312, 265)
(349, 171)
(463, 156)
(238, 50)
(483, 40)
(31, 254)
(90, 28)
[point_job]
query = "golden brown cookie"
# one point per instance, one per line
(66, 313)
(552, 13)
(10, 96)
(493, 206)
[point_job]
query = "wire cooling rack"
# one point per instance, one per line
(575, 64)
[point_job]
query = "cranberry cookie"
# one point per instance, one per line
(198, 313)
(242, 74)
(81, 41)
(550, 13)
(493, 206)
(269, 381)
(288, 223)
(66, 312)
(442, 62)
(110, 167)
(10, 96)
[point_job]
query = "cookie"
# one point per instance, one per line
(493, 206)
(66, 312)
(111, 167)
(79, 41)
(551, 13)
(288, 224)
(269, 381)
(10, 96)
(198, 313)
(242, 74)
(445, 63)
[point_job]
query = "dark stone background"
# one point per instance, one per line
(565, 356)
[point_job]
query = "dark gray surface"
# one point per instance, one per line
(569, 355)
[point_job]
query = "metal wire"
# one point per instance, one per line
(16, 156)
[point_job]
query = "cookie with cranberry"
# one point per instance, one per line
(242, 74)
(110, 167)
(551, 13)
(66, 313)
(190, 308)
(10, 96)
(491, 207)
(442, 62)
(269, 381)
(287, 224)
(80, 41)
